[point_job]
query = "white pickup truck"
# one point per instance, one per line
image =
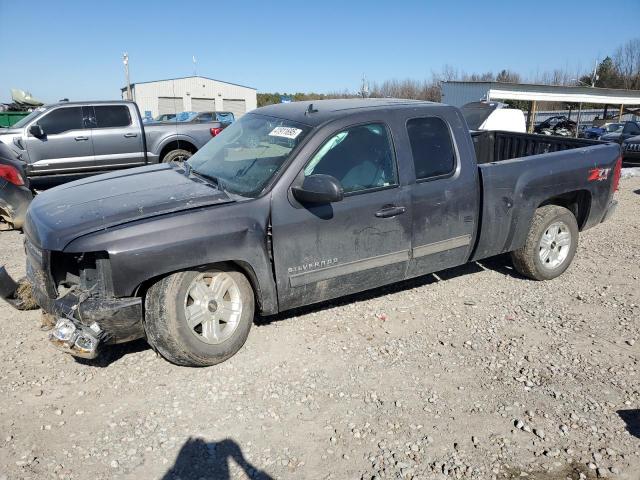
(494, 116)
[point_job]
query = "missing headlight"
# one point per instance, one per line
(87, 271)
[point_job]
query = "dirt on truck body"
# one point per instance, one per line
(297, 204)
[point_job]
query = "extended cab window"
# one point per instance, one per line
(112, 116)
(361, 158)
(431, 146)
(62, 120)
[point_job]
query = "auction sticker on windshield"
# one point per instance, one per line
(286, 132)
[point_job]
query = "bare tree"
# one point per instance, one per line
(627, 62)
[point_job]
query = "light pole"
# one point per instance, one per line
(125, 61)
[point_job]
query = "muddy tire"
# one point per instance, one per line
(550, 245)
(199, 318)
(178, 155)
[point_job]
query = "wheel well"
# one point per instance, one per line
(578, 202)
(243, 267)
(175, 145)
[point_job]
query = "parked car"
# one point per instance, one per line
(15, 194)
(300, 203)
(165, 117)
(595, 132)
(556, 125)
(494, 116)
(630, 129)
(631, 152)
(67, 141)
(225, 118)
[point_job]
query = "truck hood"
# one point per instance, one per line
(10, 131)
(610, 137)
(62, 214)
(635, 139)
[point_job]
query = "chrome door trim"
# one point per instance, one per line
(313, 276)
(441, 246)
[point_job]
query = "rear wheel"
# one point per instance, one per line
(178, 155)
(199, 318)
(550, 245)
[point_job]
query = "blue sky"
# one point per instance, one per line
(73, 48)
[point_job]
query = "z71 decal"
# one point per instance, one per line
(598, 174)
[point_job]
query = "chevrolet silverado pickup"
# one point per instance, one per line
(296, 204)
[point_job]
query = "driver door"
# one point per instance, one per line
(67, 145)
(322, 251)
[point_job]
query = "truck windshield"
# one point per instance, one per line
(248, 153)
(614, 127)
(475, 113)
(23, 121)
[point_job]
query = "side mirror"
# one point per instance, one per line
(319, 189)
(36, 130)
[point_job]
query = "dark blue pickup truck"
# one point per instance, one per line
(300, 203)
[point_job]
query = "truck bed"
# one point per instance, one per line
(497, 146)
(520, 172)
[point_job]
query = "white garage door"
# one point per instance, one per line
(237, 107)
(170, 105)
(203, 104)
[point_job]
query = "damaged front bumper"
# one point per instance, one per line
(83, 322)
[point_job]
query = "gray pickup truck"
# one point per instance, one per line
(300, 203)
(69, 140)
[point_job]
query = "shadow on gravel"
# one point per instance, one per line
(637, 191)
(572, 471)
(632, 419)
(113, 353)
(501, 264)
(198, 459)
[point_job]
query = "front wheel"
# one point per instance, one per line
(178, 155)
(199, 318)
(550, 246)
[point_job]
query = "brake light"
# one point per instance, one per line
(11, 174)
(215, 131)
(617, 171)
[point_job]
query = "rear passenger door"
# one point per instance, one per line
(444, 197)
(66, 145)
(117, 137)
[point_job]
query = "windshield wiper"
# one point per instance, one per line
(210, 178)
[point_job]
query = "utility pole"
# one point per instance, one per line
(364, 87)
(195, 66)
(125, 61)
(594, 77)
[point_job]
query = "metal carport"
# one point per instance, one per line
(458, 93)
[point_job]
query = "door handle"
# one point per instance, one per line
(130, 135)
(390, 211)
(81, 139)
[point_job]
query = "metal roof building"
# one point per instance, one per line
(198, 94)
(458, 93)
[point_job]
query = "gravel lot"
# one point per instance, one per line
(471, 373)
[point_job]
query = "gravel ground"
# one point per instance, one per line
(471, 373)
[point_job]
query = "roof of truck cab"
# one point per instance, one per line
(324, 110)
(97, 102)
